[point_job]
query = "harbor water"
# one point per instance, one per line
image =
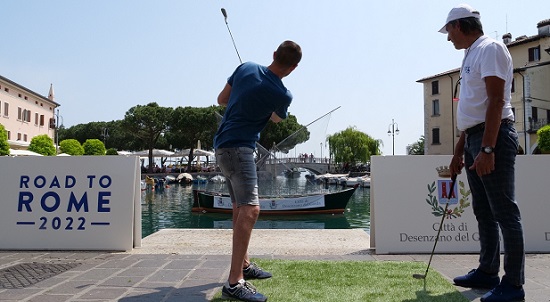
(171, 208)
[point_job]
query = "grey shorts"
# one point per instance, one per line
(239, 168)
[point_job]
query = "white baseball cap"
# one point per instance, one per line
(460, 12)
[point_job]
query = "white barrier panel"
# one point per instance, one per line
(69, 203)
(408, 197)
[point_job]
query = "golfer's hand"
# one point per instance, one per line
(457, 163)
(484, 164)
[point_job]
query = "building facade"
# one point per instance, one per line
(25, 113)
(530, 95)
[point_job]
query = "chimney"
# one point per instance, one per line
(507, 38)
(544, 28)
(51, 95)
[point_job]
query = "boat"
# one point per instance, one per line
(362, 181)
(200, 180)
(184, 178)
(329, 178)
(170, 179)
(218, 179)
(314, 203)
(365, 181)
(292, 173)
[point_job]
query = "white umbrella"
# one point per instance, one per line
(200, 152)
(196, 152)
(14, 152)
(156, 153)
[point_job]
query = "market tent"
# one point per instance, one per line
(15, 152)
(156, 153)
(196, 152)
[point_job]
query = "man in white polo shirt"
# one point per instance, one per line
(487, 148)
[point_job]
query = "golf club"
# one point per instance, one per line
(224, 13)
(423, 276)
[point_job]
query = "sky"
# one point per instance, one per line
(104, 57)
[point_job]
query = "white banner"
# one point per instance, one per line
(408, 197)
(69, 203)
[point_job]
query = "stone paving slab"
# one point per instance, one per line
(165, 271)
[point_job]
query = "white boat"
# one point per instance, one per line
(170, 179)
(219, 179)
(184, 178)
(365, 181)
(362, 181)
(330, 178)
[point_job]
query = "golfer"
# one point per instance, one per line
(253, 94)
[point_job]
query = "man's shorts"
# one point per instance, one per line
(239, 168)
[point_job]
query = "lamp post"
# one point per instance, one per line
(321, 151)
(57, 117)
(393, 130)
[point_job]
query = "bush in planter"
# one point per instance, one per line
(543, 135)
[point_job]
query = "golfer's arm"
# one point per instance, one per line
(223, 97)
(495, 94)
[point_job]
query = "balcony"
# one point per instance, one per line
(536, 124)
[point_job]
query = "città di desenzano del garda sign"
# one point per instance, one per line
(408, 197)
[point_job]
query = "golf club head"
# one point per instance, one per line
(224, 13)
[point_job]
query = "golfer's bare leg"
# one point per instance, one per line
(244, 219)
(246, 261)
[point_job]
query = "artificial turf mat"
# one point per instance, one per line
(324, 281)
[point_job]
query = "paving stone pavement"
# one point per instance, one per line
(159, 274)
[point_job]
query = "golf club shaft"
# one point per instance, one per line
(453, 180)
(224, 13)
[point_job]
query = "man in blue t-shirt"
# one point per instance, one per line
(254, 94)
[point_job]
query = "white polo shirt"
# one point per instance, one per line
(485, 57)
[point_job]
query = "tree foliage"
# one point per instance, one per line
(111, 133)
(417, 148)
(147, 123)
(188, 125)
(93, 147)
(71, 146)
(353, 146)
(4, 146)
(42, 144)
(543, 138)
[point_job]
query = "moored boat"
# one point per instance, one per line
(170, 179)
(219, 179)
(184, 178)
(362, 181)
(292, 173)
(314, 203)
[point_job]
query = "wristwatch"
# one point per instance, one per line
(487, 150)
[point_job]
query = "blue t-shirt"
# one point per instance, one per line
(256, 92)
